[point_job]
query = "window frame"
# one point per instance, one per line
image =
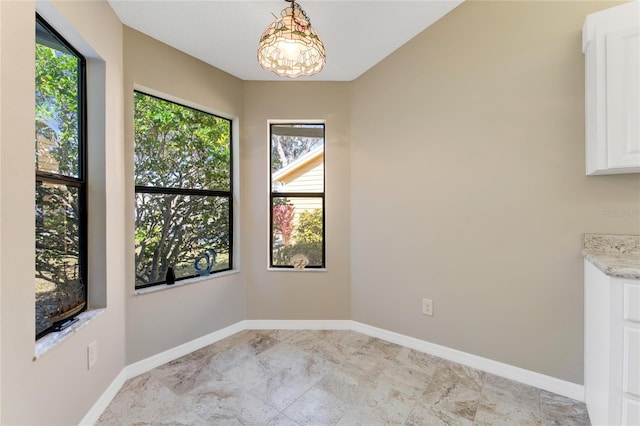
(81, 181)
(227, 195)
(293, 194)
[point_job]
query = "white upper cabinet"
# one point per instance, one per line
(611, 44)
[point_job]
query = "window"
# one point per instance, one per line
(184, 197)
(60, 168)
(297, 196)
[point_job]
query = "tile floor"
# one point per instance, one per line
(293, 377)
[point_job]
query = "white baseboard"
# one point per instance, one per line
(103, 402)
(541, 381)
(531, 378)
(297, 324)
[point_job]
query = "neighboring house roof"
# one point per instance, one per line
(290, 170)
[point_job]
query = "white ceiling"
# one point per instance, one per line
(357, 34)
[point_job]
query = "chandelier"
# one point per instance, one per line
(290, 47)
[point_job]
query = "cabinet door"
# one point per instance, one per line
(631, 302)
(631, 363)
(623, 75)
(630, 412)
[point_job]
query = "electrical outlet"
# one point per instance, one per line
(92, 354)
(427, 307)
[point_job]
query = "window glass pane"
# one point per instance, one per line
(178, 230)
(297, 158)
(60, 209)
(59, 287)
(297, 231)
(57, 110)
(180, 147)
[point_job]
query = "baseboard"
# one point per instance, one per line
(531, 378)
(142, 366)
(541, 381)
(103, 402)
(297, 324)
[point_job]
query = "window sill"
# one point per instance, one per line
(296, 270)
(182, 283)
(52, 340)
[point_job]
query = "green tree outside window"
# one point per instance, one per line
(183, 178)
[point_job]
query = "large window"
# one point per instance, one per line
(297, 196)
(184, 197)
(60, 204)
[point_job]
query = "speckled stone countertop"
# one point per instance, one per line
(615, 255)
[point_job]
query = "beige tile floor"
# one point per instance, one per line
(289, 377)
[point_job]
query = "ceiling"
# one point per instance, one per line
(357, 34)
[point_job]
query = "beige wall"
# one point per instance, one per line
(468, 186)
(58, 388)
(295, 295)
(162, 320)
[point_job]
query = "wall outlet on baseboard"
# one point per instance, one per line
(92, 354)
(427, 307)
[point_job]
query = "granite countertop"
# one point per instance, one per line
(615, 255)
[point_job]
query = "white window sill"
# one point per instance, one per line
(296, 270)
(52, 340)
(182, 283)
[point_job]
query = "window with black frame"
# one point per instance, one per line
(60, 173)
(297, 196)
(184, 197)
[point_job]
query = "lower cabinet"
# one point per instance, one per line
(611, 348)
